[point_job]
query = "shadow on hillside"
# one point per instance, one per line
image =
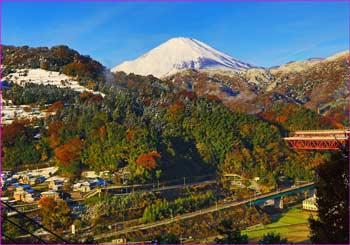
(186, 162)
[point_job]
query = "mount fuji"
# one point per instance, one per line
(179, 54)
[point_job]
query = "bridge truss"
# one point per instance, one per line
(319, 139)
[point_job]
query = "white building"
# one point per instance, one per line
(82, 187)
(310, 204)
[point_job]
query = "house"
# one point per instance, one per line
(40, 179)
(98, 183)
(51, 194)
(6, 183)
(82, 187)
(19, 193)
(89, 174)
(13, 186)
(310, 204)
(16, 176)
(32, 181)
(93, 174)
(56, 185)
(23, 194)
(28, 198)
(26, 187)
(26, 179)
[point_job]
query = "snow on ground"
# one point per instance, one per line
(41, 171)
(338, 55)
(40, 76)
(63, 179)
(36, 76)
(10, 112)
(296, 66)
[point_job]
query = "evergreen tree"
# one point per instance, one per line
(332, 224)
(167, 238)
(230, 234)
(272, 238)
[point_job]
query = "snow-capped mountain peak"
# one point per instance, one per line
(179, 54)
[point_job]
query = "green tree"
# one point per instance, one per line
(272, 238)
(332, 224)
(230, 234)
(167, 238)
(55, 214)
(89, 240)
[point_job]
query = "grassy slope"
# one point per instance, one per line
(292, 225)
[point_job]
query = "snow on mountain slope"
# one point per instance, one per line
(338, 55)
(40, 76)
(297, 66)
(179, 54)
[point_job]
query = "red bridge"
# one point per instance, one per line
(331, 139)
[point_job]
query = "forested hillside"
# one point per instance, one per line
(58, 58)
(154, 131)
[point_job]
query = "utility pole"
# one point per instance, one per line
(184, 182)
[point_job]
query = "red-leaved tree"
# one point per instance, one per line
(148, 160)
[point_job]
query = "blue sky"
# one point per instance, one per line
(265, 34)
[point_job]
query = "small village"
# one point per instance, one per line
(31, 185)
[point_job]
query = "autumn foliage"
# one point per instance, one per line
(69, 152)
(188, 94)
(131, 133)
(148, 160)
(53, 130)
(55, 106)
(213, 97)
(89, 98)
(177, 107)
(55, 214)
(12, 131)
(76, 69)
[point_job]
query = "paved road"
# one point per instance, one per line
(197, 213)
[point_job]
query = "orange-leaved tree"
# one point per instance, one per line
(55, 106)
(69, 152)
(148, 160)
(55, 213)
(68, 156)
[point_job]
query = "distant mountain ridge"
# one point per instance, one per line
(316, 83)
(179, 54)
(320, 85)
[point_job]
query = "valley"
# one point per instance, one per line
(155, 152)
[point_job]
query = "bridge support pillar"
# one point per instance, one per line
(278, 202)
(312, 192)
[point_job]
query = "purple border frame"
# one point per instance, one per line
(170, 1)
(0, 109)
(198, 1)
